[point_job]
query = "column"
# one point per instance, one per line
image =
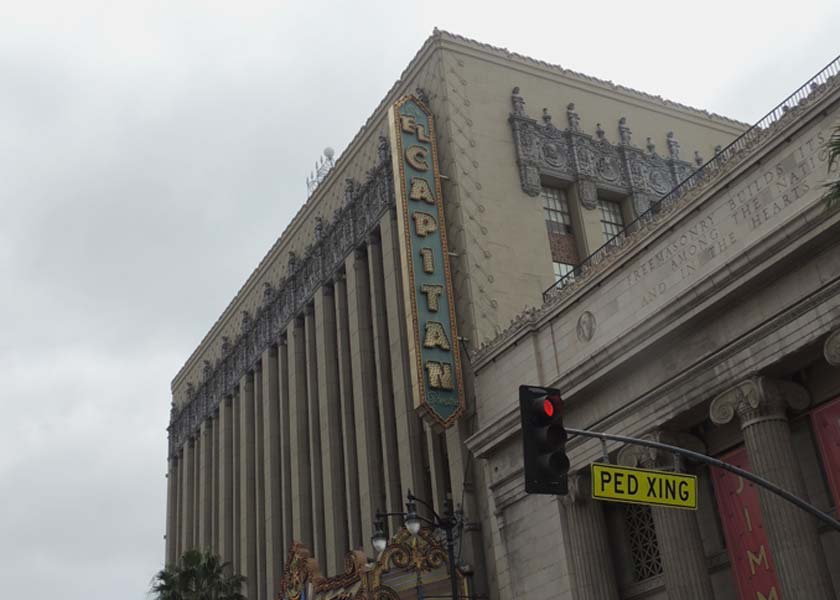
(179, 508)
(196, 495)
(684, 565)
(368, 441)
(187, 529)
(285, 445)
(384, 389)
(409, 425)
(237, 481)
(258, 589)
(272, 472)
(226, 470)
(355, 535)
(204, 489)
(332, 458)
(216, 525)
(589, 543)
(171, 509)
(247, 496)
(316, 475)
(761, 404)
(302, 529)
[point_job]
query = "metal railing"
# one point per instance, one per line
(738, 146)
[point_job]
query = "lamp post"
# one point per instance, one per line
(412, 521)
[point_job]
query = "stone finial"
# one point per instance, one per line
(518, 102)
(698, 159)
(600, 133)
(654, 458)
(349, 190)
(718, 149)
(247, 321)
(226, 345)
(383, 150)
(191, 389)
(572, 117)
(319, 229)
(546, 117)
(293, 262)
(673, 146)
(206, 370)
(651, 147)
(831, 349)
(268, 291)
(624, 133)
(758, 399)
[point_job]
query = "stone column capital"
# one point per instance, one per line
(654, 458)
(758, 399)
(831, 349)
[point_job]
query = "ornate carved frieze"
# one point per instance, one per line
(350, 227)
(758, 399)
(655, 458)
(571, 155)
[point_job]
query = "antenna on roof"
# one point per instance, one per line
(322, 167)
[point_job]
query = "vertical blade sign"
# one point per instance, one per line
(434, 356)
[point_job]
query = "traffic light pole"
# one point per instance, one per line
(702, 458)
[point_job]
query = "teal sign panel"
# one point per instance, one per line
(427, 283)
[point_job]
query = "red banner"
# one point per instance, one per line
(826, 421)
(746, 540)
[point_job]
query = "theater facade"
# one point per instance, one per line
(369, 354)
(712, 322)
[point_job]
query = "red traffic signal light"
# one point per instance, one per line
(543, 440)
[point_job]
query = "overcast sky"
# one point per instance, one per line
(150, 154)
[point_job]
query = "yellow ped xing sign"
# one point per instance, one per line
(644, 486)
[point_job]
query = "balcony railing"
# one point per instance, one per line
(735, 149)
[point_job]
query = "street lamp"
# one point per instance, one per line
(412, 521)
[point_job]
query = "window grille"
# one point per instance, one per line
(612, 221)
(556, 209)
(644, 547)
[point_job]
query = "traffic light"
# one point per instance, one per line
(543, 440)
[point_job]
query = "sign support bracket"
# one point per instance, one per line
(708, 460)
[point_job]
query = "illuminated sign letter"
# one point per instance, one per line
(757, 560)
(440, 375)
(424, 223)
(428, 260)
(435, 336)
(773, 595)
(420, 190)
(417, 157)
(433, 293)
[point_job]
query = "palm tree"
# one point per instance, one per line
(197, 576)
(832, 196)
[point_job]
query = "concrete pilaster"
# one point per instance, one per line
(761, 406)
(589, 543)
(332, 458)
(259, 593)
(237, 481)
(355, 535)
(283, 391)
(409, 427)
(204, 489)
(186, 511)
(368, 440)
(316, 474)
(214, 500)
(684, 564)
(196, 495)
(171, 509)
(226, 489)
(179, 507)
(272, 472)
(384, 388)
(302, 527)
(247, 491)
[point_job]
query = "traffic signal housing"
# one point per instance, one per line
(543, 441)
